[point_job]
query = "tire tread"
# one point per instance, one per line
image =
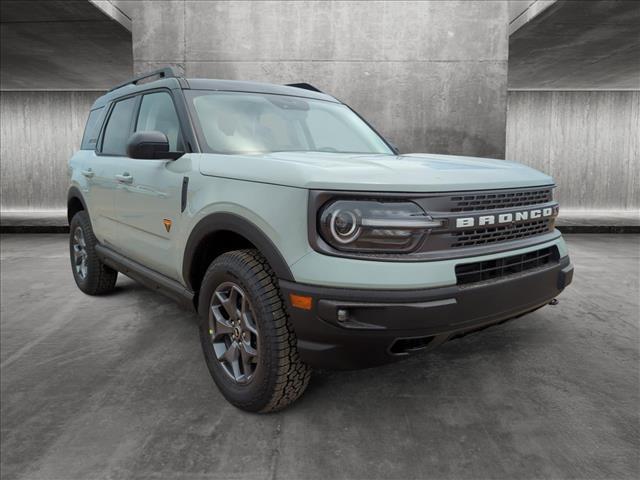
(100, 279)
(291, 374)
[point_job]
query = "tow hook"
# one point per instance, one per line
(554, 301)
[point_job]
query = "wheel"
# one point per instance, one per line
(247, 339)
(90, 274)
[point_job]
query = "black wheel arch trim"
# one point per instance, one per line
(223, 221)
(74, 193)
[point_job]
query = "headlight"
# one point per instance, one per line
(374, 226)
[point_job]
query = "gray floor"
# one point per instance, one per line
(115, 387)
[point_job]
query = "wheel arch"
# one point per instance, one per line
(220, 232)
(75, 203)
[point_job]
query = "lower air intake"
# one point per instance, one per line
(502, 267)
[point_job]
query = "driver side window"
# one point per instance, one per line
(118, 128)
(158, 113)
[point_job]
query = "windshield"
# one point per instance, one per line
(241, 123)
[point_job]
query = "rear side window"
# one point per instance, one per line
(158, 113)
(118, 129)
(92, 129)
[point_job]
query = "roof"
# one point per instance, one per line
(211, 84)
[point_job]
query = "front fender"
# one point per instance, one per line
(223, 221)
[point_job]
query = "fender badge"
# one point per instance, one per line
(167, 224)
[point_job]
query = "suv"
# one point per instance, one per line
(299, 235)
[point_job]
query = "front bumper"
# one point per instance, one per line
(385, 325)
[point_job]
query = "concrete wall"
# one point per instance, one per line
(431, 76)
(576, 45)
(40, 131)
(588, 141)
(61, 45)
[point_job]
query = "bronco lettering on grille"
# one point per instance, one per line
(505, 218)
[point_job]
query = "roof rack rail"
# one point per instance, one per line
(166, 72)
(305, 86)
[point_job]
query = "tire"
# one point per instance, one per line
(275, 376)
(90, 274)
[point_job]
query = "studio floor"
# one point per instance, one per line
(116, 387)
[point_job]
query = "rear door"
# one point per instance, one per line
(85, 161)
(149, 205)
(103, 167)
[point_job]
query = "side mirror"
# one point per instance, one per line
(151, 145)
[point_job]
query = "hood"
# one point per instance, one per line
(386, 173)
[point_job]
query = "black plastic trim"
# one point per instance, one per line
(166, 72)
(219, 222)
(75, 193)
(304, 86)
(566, 276)
(374, 320)
(189, 136)
(183, 194)
(146, 276)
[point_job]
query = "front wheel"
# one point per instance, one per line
(247, 339)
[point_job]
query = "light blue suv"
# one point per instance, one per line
(300, 235)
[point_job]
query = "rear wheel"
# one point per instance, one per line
(90, 274)
(247, 339)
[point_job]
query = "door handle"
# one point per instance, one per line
(87, 173)
(124, 178)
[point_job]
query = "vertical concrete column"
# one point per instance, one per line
(430, 75)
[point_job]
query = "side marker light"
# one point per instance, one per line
(301, 301)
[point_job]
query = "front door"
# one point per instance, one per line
(149, 194)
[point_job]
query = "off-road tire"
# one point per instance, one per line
(280, 376)
(99, 279)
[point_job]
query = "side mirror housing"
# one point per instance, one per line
(150, 145)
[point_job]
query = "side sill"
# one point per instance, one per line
(147, 277)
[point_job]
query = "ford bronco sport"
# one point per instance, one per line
(300, 235)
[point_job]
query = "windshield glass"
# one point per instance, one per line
(241, 123)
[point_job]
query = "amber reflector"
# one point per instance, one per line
(300, 301)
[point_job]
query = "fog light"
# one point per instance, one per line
(343, 315)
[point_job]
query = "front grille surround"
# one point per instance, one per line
(450, 208)
(490, 270)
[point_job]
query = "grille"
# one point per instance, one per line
(503, 267)
(483, 236)
(495, 200)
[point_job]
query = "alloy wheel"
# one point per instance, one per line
(80, 256)
(233, 332)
